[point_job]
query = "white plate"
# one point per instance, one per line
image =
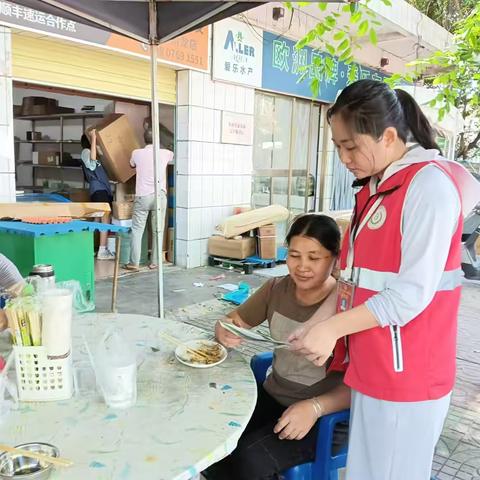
(183, 356)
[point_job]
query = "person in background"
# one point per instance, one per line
(395, 329)
(11, 282)
(99, 185)
(142, 161)
(283, 429)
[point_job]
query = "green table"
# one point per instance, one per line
(67, 247)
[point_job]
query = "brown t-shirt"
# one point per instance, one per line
(293, 377)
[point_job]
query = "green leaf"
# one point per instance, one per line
(353, 6)
(388, 3)
(315, 87)
(301, 43)
(346, 8)
(373, 36)
(432, 103)
(347, 53)
(289, 5)
(339, 35)
(330, 21)
(352, 74)
(330, 49)
(363, 28)
(320, 30)
(356, 17)
(322, 6)
(345, 44)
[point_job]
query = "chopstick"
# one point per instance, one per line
(177, 342)
(58, 461)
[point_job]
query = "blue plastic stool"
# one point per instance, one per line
(326, 464)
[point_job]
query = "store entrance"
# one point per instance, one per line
(48, 127)
(285, 153)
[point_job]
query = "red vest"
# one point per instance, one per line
(417, 361)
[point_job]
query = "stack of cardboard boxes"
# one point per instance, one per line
(261, 241)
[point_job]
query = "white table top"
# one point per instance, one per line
(185, 418)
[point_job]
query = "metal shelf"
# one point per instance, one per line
(72, 167)
(65, 116)
(59, 119)
(39, 165)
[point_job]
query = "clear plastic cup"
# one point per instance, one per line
(119, 387)
(84, 377)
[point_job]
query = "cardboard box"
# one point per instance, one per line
(171, 245)
(267, 242)
(117, 140)
(122, 210)
(46, 158)
(231, 247)
(125, 192)
(80, 195)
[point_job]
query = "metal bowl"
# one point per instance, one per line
(19, 467)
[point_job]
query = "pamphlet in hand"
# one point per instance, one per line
(251, 335)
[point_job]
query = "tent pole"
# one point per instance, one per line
(160, 220)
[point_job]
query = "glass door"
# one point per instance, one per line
(285, 154)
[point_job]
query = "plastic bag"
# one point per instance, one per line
(7, 386)
(80, 303)
(238, 296)
(116, 370)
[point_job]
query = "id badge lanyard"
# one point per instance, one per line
(347, 285)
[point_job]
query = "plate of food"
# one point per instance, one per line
(201, 353)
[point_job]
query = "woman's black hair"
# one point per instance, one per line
(371, 106)
(85, 142)
(322, 228)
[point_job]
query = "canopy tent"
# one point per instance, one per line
(152, 22)
(134, 18)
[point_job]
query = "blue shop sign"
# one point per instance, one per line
(282, 64)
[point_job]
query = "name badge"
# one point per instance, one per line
(345, 294)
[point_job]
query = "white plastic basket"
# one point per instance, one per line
(40, 378)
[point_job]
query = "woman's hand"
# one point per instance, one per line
(296, 421)
(316, 341)
(226, 338)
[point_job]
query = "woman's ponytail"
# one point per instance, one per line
(416, 120)
(371, 106)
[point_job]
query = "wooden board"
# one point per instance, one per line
(45, 209)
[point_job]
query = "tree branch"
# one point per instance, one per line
(473, 144)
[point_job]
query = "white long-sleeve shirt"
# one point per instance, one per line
(431, 212)
(9, 274)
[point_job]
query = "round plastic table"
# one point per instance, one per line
(185, 418)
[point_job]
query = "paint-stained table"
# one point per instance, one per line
(185, 419)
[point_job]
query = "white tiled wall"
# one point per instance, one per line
(212, 177)
(7, 162)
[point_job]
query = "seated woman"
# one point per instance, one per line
(282, 431)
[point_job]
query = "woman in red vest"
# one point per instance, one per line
(397, 301)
